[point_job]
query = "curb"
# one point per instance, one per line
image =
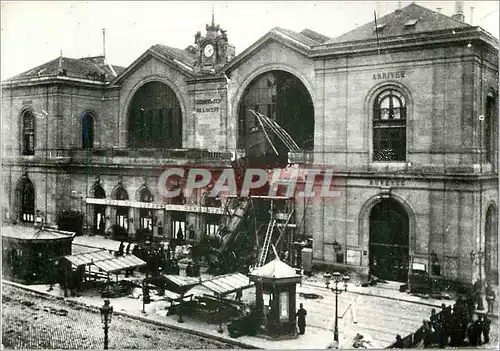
(380, 296)
(132, 316)
(495, 316)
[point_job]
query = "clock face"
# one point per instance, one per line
(209, 50)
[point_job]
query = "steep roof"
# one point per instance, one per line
(394, 24)
(90, 68)
(185, 56)
(306, 36)
(276, 269)
(31, 233)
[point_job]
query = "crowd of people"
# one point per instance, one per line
(456, 326)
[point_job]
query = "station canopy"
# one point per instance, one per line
(228, 283)
(104, 260)
(179, 283)
(89, 257)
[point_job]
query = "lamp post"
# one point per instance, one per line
(337, 278)
(106, 314)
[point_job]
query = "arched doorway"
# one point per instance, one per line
(122, 212)
(491, 245)
(155, 118)
(282, 97)
(389, 241)
(146, 214)
(99, 210)
(26, 199)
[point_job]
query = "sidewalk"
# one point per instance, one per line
(377, 312)
(380, 290)
(315, 338)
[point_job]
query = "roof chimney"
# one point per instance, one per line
(459, 11)
(104, 43)
(439, 9)
(471, 15)
(399, 9)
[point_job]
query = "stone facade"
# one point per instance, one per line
(445, 184)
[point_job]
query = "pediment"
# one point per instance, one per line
(183, 67)
(294, 41)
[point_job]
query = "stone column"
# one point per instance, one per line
(168, 224)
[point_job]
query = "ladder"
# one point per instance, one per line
(267, 242)
(283, 227)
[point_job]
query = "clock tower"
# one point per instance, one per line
(213, 50)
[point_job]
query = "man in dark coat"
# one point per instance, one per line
(120, 249)
(127, 250)
(486, 329)
(301, 319)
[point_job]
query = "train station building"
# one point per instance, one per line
(404, 112)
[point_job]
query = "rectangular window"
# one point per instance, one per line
(284, 307)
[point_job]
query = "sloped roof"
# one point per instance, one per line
(89, 257)
(308, 40)
(427, 21)
(90, 68)
(228, 283)
(317, 37)
(276, 269)
(117, 264)
(169, 52)
(31, 233)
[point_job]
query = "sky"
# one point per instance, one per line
(35, 32)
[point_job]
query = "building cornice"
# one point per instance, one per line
(406, 41)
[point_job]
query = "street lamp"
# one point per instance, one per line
(337, 278)
(106, 313)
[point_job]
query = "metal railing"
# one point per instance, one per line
(74, 153)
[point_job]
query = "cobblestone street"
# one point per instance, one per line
(32, 322)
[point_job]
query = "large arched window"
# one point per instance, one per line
(489, 123)
(155, 118)
(26, 196)
(389, 126)
(87, 130)
(28, 133)
(146, 214)
(282, 97)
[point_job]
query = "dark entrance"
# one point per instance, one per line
(389, 241)
(491, 246)
(99, 211)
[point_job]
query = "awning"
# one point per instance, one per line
(116, 264)
(180, 284)
(226, 284)
(89, 257)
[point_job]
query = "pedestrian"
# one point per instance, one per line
(127, 251)
(435, 326)
(120, 249)
(399, 343)
(427, 332)
(135, 250)
(477, 329)
(486, 329)
(444, 323)
(301, 319)
(180, 236)
(490, 298)
(471, 334)
(191, 232)
(239, 295)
